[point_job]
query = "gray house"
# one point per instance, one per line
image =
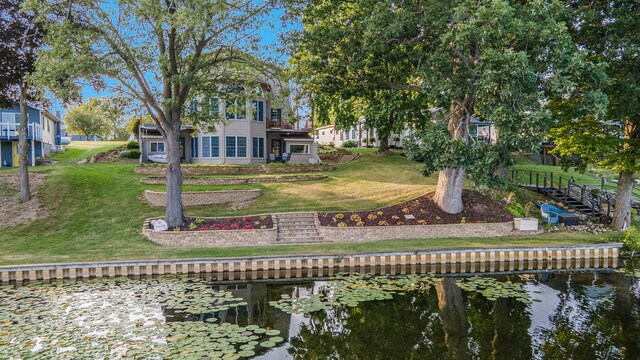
(255, 132)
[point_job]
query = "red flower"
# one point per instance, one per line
(246, 219)
(248, 227)
(225, 228)
(235, 226)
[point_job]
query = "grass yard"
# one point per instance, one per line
(95, 211)
(589, 177)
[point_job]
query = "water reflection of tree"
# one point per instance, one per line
(593, 327)
(498, 329)
(404, 328)
(451, 325)
(454, 318)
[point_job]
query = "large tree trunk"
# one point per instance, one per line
(454, 318)
(622, 213)
(25, 190)
(448, 194)
(384, 144)
(173, 214)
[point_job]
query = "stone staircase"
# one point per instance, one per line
(297, 228)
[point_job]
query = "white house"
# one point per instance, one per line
(329, 135)
(256, 133)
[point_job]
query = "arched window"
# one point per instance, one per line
(235, 106)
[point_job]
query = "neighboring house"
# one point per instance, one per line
(258, 132)
(329, 135)
(77, 137)
(44, 134)
(482, 131)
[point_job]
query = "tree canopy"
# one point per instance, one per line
(600, 122)
(159, 53)
(20, 42)
(393, 60)
(88, 118)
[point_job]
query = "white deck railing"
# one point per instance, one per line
(11, 130)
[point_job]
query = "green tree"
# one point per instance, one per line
(20, 41)
(601, 121)
(161, 54)
(393, 60)
(87, 118)
(114, 110)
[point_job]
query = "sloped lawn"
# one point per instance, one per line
(95, 211)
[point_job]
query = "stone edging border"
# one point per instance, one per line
(236, 170)
(212, 238)
(446, 260)
(199, 181)
(235, 198)
(403, 232)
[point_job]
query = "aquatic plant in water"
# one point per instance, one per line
(345, 290)
(493, 289)
(351, 290)
(123, 318)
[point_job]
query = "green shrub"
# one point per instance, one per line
(519, 209)
(129, 154)
(634, 213)
(350, 144)
(326, 149)
(516, 209)
(133, 145)
(631, 240)
(617, 237)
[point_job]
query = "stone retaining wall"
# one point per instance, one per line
(234, 181)
(235, 170)
(375, 233)
(211, 238)
(234, 198)
(477, 260)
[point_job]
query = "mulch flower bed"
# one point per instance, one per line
(421, 211)
(232, 223)
(112, 156)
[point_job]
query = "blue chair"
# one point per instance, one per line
(286, 157)
(548, 214)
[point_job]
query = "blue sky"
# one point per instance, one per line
(269, 42)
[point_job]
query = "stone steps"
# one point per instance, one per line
(297, 228)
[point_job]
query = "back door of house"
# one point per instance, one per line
(276, 147)
(16, 154)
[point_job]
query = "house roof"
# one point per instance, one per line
(325, 127)
(51, 116)
(154, 127)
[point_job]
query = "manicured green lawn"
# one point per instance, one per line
(525, 165)
(95, 211)
(591, 177)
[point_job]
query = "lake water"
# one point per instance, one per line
(586, 314)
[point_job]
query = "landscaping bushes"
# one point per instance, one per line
(349, 144)
(131, 145)
(232, 223)
(129, 154)
(631, 240)
(327, 149)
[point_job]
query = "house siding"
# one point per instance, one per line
(244, 128)
(41, 142)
